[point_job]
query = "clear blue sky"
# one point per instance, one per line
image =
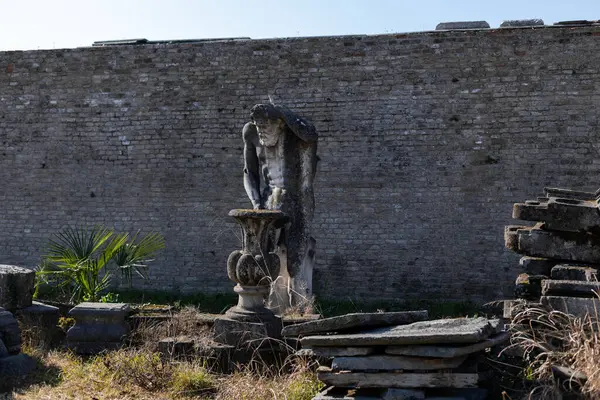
(47, 24)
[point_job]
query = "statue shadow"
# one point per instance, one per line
(42, 374)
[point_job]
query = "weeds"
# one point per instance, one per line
(553, 341)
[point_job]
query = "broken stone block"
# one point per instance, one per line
(537, 265)
(529, 287)
(462, 25)
(519, 23)
(569, 272)
(337, 351)
(16, 287)
(397, 379)
(457, 331)
(10, 334)
(578, 306)
(440, 351)
(570, 288)
(357, 321)
(98, 326)
(393, 363)
(43, 320)
(180, 346)
(536, 242)
(561, 214)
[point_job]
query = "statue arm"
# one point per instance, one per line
(251, 166)
(298, 125)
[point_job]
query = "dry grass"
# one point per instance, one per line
(141, 373)
(554, 339)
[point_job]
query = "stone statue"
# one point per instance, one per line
(280, 160)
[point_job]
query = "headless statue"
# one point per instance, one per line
(280, 160)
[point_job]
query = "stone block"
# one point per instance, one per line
(456, 331)
(462, 25)
(356, 321)
(398, 379)
(560, 214)
(570, 288)
(180, 346)
(536, 242)
(519, 23)
(246, 334)
(43, 320)
(448, 351)
(529, 287)
(10, 333)
(98, 326)
(569, 272)
(537, 265)
(394, 362)
(16, 366)
(3, 350)
(577, 306)
(16, 287)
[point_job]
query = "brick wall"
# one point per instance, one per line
(426, 140)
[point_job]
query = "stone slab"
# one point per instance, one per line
(561, 214)
(552, 287)
(448, 351)
(570, 194)
(517, 23)
(16, 287)
(577, 306)
(338, 351)
(536, 242)
(457, 330)
(408, 380)
(355, 321)
(574, 273)
(334, 393)
(114, 310)
(394, 363)
(462, 25)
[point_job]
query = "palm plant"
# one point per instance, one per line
(79, 259)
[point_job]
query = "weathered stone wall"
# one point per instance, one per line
(426, 141)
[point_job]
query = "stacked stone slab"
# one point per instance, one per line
(561, 251)
(398, 355)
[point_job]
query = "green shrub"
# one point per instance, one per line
(79, 260)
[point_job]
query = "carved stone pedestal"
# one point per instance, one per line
(253, 268)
